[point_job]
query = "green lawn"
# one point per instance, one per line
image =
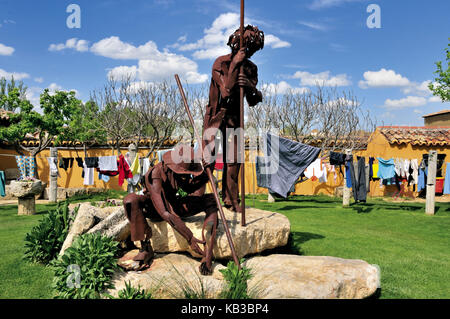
(411, 248)
(20, 278)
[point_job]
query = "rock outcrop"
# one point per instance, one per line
(275, 277)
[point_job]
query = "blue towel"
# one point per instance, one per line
(2, 184)
(447, 180)
(386, 168)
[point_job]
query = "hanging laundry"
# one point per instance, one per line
(79, 162)
(316, 170)
(136, 166)
(348, 171)
(367, 172)
(65, 163)
(262, 180)
(293, 158)
(52, 162)
(386, 168)
(88, 175)
(107, 163)
(91, 162)
(447, 180)
(358, 175)
(26, 166)
(2, 184)
(145, 165)
(375, 168)
(31, 166)
(371, 173)
(397, 166)
(21, 166)
(124, 169)
(104, 178)
(337, 158)
(423, 171)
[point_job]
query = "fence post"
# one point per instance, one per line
(431, 183)
(53, 188)
(346, 191)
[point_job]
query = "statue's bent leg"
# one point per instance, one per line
(211, 221)
(139, 228)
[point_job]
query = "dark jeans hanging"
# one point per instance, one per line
(358, 176)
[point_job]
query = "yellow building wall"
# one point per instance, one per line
(378, 147)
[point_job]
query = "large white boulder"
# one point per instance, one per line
(274, 277)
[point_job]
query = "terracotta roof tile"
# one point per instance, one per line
(415, 135)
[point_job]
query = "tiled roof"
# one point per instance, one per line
(417, 135)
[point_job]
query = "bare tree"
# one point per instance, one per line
(323, 117)
(114, 104)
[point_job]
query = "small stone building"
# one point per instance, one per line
(441, 118)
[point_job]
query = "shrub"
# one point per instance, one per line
(86, 268)
(129, 292)
(45, 240)
(236, 281)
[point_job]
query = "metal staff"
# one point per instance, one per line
(242, 141)
(209, 173)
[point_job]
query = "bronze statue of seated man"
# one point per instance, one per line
(161, 201)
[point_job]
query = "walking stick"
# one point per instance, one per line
(241, 38)
(209, 173)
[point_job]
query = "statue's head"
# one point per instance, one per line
(253, 40)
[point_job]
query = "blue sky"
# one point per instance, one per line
(387, 68)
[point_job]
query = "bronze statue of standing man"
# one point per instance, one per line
(223, 109)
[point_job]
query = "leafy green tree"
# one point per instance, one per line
(57, 111)
(85, 127)
(442, 86)
(9, 91)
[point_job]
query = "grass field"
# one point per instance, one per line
(411, 248)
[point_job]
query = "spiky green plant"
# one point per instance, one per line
(86, 268)
(44, 241)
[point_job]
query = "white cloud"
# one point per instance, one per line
(383, 78)
(418, 88)
(434, 99)
(114, 48)
(215, 39)
(5, 50)
(282, 88)
(409, 101)
(74, 43)
(322, 4)
(153, 65)
(322, 78)
(17, 76)
(275, 42)
(314, 25)
(39, 80)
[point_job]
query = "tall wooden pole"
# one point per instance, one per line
(242, 140)
(431, 183)
(210, 175)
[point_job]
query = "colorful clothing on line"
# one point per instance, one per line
(386, 168)
(447, 180)
(26, 165)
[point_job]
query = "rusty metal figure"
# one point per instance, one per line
(161, 201)
(223, 109)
